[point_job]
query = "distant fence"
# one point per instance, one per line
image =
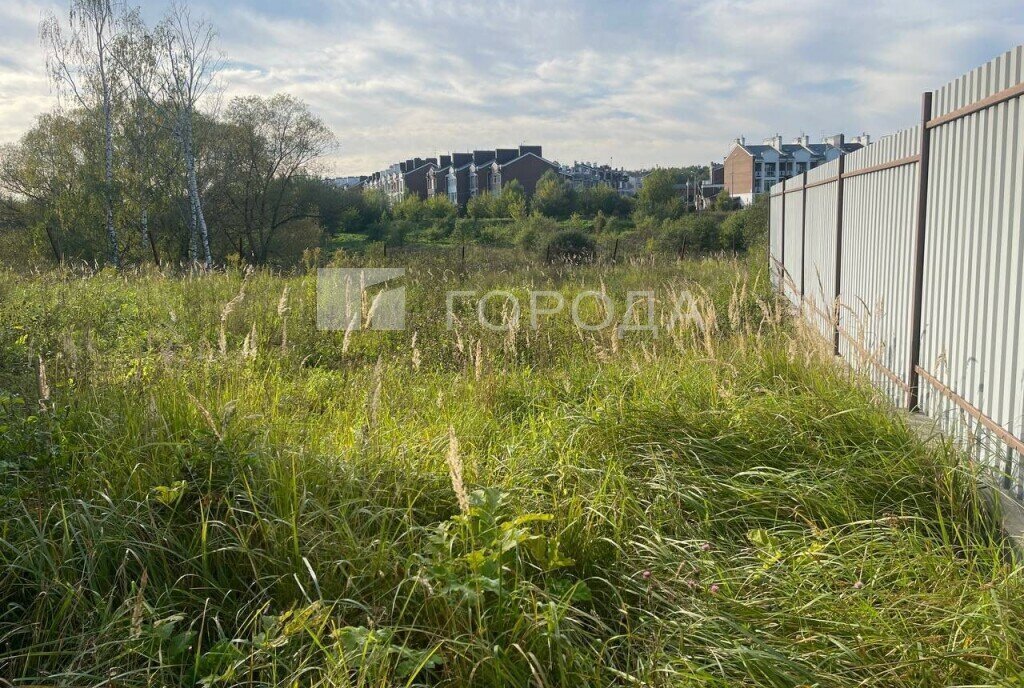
(908, 256)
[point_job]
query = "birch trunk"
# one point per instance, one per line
(193, 190)
(108, 145)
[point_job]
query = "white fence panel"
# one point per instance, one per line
(972, 338)
(879, 225)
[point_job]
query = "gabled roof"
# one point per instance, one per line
(526, 155)
(755, 150)
(416, 169)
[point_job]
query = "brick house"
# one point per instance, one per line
(753, 169)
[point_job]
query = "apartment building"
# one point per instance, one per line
(401, 178)
(587, 175)
(753, 169)
(485, 171)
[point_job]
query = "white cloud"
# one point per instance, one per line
(639, 83)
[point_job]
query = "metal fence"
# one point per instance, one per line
(908, 256)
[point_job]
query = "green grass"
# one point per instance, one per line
(721, 508)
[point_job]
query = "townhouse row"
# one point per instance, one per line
(460, 176)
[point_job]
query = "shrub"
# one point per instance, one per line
(534, 231)
(691, 233)
(571, 246)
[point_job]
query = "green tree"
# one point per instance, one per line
(725, 201)
(553, 196)
(439, 208)
(410, 208)
(658, 194)
(512, 201)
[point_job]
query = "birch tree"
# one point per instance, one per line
(174, 68)
(187, 66)
(81, 66)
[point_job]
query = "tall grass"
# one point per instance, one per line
(213, 492)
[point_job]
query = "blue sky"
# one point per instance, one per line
(632, 82)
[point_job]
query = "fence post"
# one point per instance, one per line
(913, 388)
(782, 241)
(839, 250)
(803, 234)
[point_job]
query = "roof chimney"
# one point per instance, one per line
(775, 142)
(482, 156)
(864, 139)
(836, 140)
(506, 154)
(802, 140)
(446, 160)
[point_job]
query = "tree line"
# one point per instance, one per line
(138, 163)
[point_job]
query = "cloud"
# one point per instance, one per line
(637, 83)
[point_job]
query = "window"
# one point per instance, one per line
(769, 169)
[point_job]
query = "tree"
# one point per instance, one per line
(553, 196)
(174, 67)
(512, 201)
(657, 194)
(725, 201)
(691, 234)
(482, 205)
(275, 142)
(48, 186)
(81, 64)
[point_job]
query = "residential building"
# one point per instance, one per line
(712, 186)
(437, 178)
(486, 171)
(586, 175)
(408, 176)
(753, 169)
(348, 182)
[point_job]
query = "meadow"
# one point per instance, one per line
(201, 488)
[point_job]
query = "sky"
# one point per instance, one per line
(632, 83)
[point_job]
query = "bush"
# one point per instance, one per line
(692, 233)
(533, 232)
(571, 247)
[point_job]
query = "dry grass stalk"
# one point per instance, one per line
(282, 310)
(348, 332)
(139, 606)
(455, 471)
(229, 308)
(44, 386)
(207, 416)
(416, 359)
(479, 367)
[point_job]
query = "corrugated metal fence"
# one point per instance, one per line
(908, 255)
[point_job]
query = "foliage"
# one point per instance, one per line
(116, 174)
(571, 246)
(724, 201)
(214, 495)
(692, 233)
(658, 197)
(553, 196)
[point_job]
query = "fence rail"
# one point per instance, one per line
(908, 256)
